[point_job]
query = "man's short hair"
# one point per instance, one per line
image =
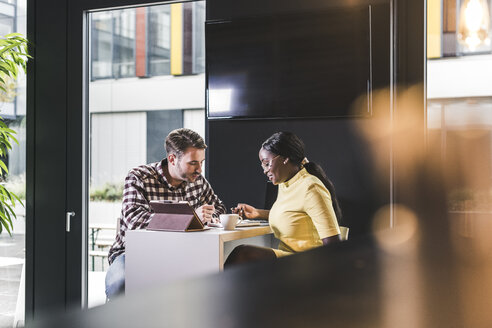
(177, 141)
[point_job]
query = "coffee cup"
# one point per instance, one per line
(229, 221)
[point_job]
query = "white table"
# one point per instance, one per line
(157, 257)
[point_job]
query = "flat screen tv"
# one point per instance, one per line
(313, 64)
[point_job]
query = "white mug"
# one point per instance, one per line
(229, 221)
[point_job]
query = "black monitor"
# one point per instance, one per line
(313, 64)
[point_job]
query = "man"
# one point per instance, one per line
(177, 177)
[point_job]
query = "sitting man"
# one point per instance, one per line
(177, 177)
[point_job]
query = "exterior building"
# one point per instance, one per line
(147, 70)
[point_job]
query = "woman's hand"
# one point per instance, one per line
(249, 212)
(246, 211)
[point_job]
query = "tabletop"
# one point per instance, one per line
(225, 235)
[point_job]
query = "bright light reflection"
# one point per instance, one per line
(473, 15)
(219, 100)
(404, 232)
(474, 23)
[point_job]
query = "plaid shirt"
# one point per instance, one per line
(146, 183)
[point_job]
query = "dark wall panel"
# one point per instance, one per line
(46, 158)
(226, 9)
(236, 175)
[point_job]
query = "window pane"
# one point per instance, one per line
(130, 117)
(199, 38)
(113, 44)
(13, 113)
(159, 40)
(124, 43)
(459, 112)
(101, 47)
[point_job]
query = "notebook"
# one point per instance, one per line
(174, 216)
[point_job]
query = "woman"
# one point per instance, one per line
(306, 212)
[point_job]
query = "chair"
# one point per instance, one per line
(101, 243)
(344, 232)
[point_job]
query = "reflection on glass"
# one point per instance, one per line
(198, 41)
(113, 44)
(459, 111)
(159, 40)
(463, 131)
(459, 130)
(474, 23)
(220, 100)
(137, 41)
(124, 43)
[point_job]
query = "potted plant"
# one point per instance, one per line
(13, 57)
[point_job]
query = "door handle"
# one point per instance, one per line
(68, 217)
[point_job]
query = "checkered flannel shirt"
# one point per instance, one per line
(146, 183)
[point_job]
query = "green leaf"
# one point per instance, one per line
(11, 210)
(18, 200)
(10, 131)
(7, 48)
(14, 34)
(5, 217)
(14, 139)
(4, 167)
(7, 227)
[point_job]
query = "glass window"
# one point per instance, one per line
(159, 40)
(102, 44)
(198, 38)
(137, 41)
(130, 118)
(124, 43)
(459, 116)
(113, 44)
(6, 24)
(452, 12)
(13, 113)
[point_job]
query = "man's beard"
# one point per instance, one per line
(188, 177)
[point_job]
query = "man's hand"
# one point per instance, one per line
(205, 212)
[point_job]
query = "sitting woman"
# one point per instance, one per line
(305, 213)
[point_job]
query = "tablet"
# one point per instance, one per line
(174, 216)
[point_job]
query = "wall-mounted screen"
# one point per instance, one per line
(292, 65)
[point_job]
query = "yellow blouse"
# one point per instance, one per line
(302, 215)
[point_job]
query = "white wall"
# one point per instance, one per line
(195, 120)
(118, 143)
(468, 76)
(156, 93)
